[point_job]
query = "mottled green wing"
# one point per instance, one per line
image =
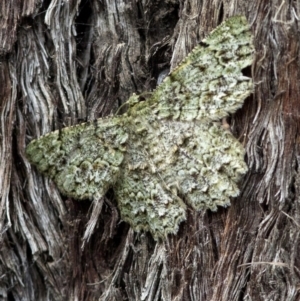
(147, 203)
(204, 164)
(209, 83)
(84, 160)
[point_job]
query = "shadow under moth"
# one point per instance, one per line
(167, 152)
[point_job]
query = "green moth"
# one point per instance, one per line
(167, 152)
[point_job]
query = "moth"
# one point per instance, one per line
(167, 152)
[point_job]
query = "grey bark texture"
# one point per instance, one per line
(64, 62)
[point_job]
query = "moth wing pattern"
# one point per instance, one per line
(209, 83)
(147, 204)
(83, 160)
(168, 151)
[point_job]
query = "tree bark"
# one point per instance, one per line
(64, 62)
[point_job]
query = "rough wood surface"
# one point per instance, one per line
(63, 62)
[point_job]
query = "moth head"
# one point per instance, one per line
(133, 100)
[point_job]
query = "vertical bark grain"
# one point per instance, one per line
(63, 62)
